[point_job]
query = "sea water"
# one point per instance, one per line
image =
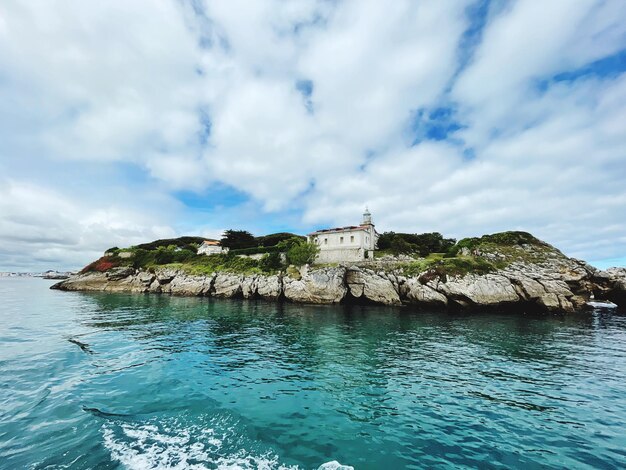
(95, 380)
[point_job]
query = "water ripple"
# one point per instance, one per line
(110, 380)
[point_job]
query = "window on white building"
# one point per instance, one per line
(340, 239)
(325, 241)
(351, 238)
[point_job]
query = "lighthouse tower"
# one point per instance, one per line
(367, 217)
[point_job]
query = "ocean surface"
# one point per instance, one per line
(156, 382)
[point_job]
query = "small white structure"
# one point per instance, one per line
(354, 243)
(211, 247)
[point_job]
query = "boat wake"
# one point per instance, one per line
(176, 444)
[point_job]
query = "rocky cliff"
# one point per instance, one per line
(553, 284)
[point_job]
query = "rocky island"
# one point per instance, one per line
(512, 270)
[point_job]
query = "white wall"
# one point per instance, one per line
(211, 250)
(340, 255)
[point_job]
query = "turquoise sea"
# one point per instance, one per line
(157, 382)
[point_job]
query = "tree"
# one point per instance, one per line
(423, 243)
(236, 239)
(271, 262)
(285, 245)
(302, 253)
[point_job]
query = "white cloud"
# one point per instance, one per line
(102, 85)
(41, 228)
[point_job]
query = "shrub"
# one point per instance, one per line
(423, 244)
(180, 242)
(256, 250)
(271, 262)
(275, 238)
(286, 244)
(512, 238)
(101, 265)
(302, 253)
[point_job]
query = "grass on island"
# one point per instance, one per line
(186, 259)
(479, 255)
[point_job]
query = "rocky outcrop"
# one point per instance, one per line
(559, 284)
(373, 287)
(611, 285)
(319, 286)
(474, 290)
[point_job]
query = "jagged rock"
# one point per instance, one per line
(552, 282)
(472, 289)
(145, 278)
(93, 281)
(616, 286)
(249, 286)
(115, 274)
(165, 276)
(155, 287)
(556, 286)
(550, 301)
(419, 293)
(375, 287)
(184, 284)
(227, 285)
(526, 287)
(269, 287)
(319, 286)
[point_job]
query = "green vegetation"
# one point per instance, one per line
(299, 251)
(434, 255)
(256, 250)
(481, 255)
(243, 240)
(436, 265)
(275, 238)
(302, 253)
(497, 239)
(190, 243)
(203, 264)
(412, 243)
(237, 239)
(181, 253)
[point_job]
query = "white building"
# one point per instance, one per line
(211, 247)
(354, 243)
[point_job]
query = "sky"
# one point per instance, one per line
(123, 122)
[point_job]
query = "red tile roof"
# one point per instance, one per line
(341, 229)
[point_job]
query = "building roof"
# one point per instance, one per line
(351, 228)
(211, 242)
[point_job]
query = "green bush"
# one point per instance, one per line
(180, 242)
(274, 239)
(511, 238)
(408, 243)
(271, 262)
(256, 250)
(302, 253)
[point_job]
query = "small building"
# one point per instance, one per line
(353, 243)
(211, 247)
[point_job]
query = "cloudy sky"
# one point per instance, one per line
(125, 121)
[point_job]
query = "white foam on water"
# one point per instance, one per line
(173, 445)
(334, 465)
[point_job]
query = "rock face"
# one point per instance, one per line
(612, 285)
(320, 286)
(367, 285)
(559, 284)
